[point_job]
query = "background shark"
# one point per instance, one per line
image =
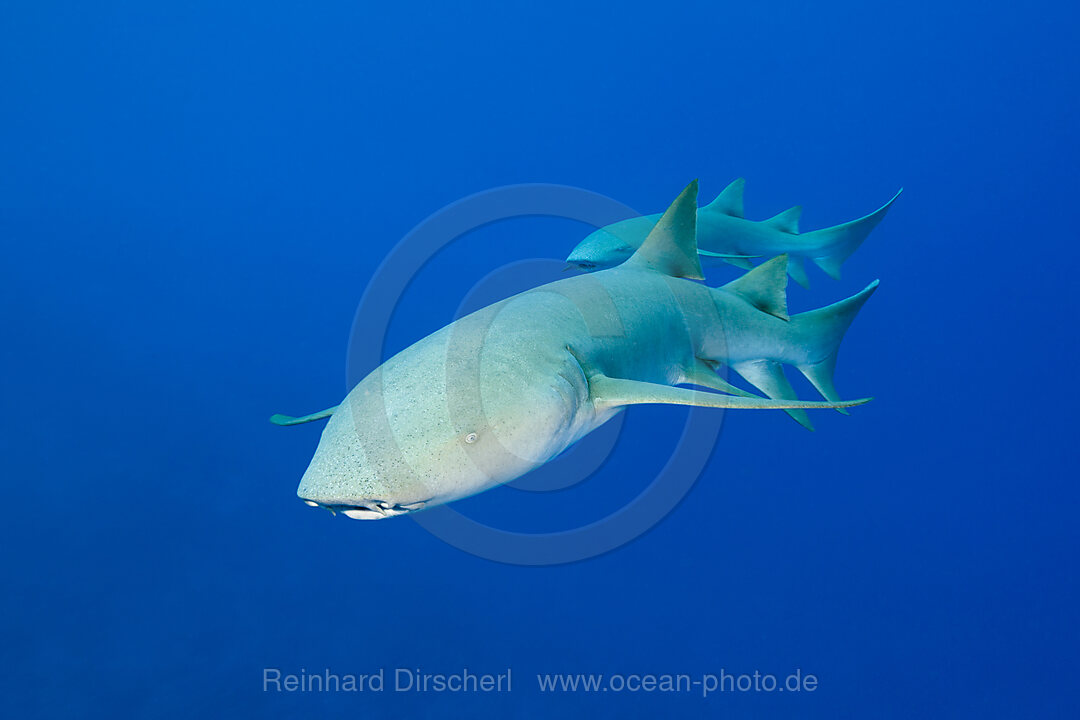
(505, 389)
(724, 234)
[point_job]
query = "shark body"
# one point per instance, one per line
(507, 388)
(725, 235)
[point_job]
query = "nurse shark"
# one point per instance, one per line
(724, 234)
(509, 387)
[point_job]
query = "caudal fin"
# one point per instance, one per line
(810, 341)
(820, 332)
(830, 247)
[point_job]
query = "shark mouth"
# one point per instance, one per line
(372, 510)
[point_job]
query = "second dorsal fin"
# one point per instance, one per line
(764, 287)
(787, 221)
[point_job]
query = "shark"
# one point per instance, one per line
(725, 235)
(507, 388)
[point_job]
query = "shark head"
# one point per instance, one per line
(352, 472)
(611, 245)
(427, 429)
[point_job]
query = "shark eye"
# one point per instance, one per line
(470, 438)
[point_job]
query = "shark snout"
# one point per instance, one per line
(355, 495)
(577, 260)
(599, 251)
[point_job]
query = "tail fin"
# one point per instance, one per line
(810, 341)
(832, 246)
(821, 331)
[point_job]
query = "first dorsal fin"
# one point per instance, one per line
(765, 287)
(787, 221)
(730, 201)
(671, 246)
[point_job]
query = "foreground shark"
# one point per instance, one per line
(724, 234)
(507, 388)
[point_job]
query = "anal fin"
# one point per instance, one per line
(831, 265)
(768, 377)
(704, 374)
(797, 270)
(821, 377)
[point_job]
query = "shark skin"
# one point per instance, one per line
(509, 387)
(725, 235)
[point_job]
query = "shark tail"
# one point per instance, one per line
(822, 330)
(829, 247)
(810, 341)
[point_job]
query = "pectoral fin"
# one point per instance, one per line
(280, 419)
(743, 263)
(726, 256)
(613, 392)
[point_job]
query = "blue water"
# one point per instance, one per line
(193, 197)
